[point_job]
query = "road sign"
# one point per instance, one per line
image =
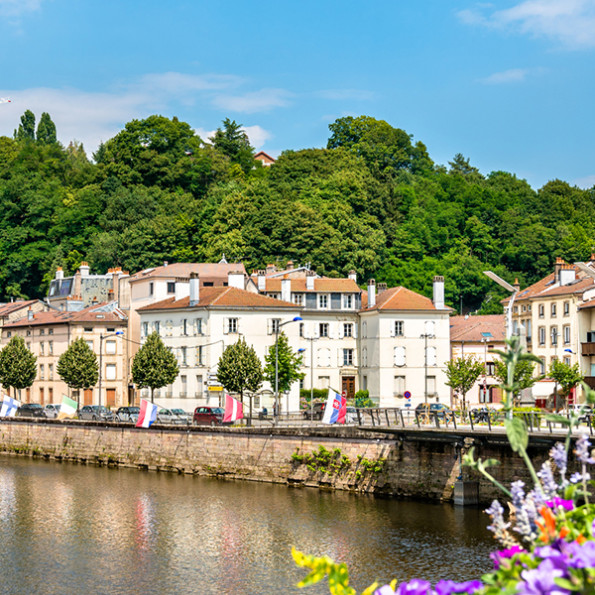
(407, 394)
(408, 404)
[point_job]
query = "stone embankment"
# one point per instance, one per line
(415, 463)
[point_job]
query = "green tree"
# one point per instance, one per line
(288, 368)
(46, 130)
(233, 142)
(239, 370)
(154, 365)
(566, 377)
(462, 373)
(523, 375)
(26, 130)
(78, 366)
(18, 366)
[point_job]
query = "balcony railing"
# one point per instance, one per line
(588, 348)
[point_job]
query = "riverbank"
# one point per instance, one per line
(404, 463)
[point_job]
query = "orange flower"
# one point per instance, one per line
(548, 526)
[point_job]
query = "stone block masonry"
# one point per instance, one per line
(407, 463)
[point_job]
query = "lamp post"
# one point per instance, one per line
(512, 290)
(277, 329)
(101, 338)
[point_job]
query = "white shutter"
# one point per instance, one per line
(339, 357)
(168, 328)
(226, 326)
(399, 356)
(430, 327)
(316, 332)
(355, 326)
(392, 328)
(341, 329)
(431, 354)
(269, 326)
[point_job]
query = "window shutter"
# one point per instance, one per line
(339, 357)
(226, 326)
(355, 325)
(399, 356)
(392, 328)
(316, 330)
(269, 326)
(431, 356)
(341, 334)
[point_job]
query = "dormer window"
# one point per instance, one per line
(348, 301)
(323, 301)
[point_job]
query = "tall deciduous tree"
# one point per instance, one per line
(239, 370)
(154, 365)
(462, 373)
(78, 366)
(289, 364)
(566, 377)
(18, 366)
(26, 130)
(523, 375)
(233, 142)
(46, 130)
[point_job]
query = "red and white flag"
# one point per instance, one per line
(234, 410)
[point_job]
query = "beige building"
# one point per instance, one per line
(477, 336)
(48, 334)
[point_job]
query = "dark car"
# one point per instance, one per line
(95, 413)
(30, 410)
(316, 412)
(127, 414)
(208, 416)
(432, 410)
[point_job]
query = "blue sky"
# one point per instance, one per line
(509, 84)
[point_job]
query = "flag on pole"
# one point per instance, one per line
(335, 408)
(147, 415)
(67, 408)
(234, 410)
(9, 407)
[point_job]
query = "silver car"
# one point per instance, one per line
(167, 416)
(127, 414)
(51, 410)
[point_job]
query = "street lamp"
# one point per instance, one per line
(101, 338)
(512, 290)
(277, 329)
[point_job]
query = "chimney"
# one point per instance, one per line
(262, 281)
(181, 290)
(271, 268)
(286, 289)
(381, 287)
(371, 293)
(110, 295)
(59, 273)
(567, 274)
(235, 279)
(310, 280)
(438, 292)
(353, 275)
(557, 267)
(30, 314)
(289, 266)
(84, 269)
(516, 284)
(194, 289)
(165, 263)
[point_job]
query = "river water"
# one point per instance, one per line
(70, 529)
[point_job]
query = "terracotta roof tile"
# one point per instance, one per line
(6, 309)
(469, 328)
(399, 298)
(321, 284)
(547, 287)
(221, 297)
(89, 314)
(207, 270)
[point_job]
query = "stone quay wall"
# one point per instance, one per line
(411, 463)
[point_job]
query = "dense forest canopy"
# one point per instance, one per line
(372, 201)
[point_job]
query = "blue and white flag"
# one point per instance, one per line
(9, 407)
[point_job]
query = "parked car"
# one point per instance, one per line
(127, 414)
(434, 409)
(167, 416)
(351, 416)
(51, 410)
(208, 416)
(184, 415)
(315, 412)
(30, 410)
(95, 413)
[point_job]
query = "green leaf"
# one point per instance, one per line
(517, 434)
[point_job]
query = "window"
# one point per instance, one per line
(183, 354)
(323, 329)
(365, 330)
(50, 331)
(110, 371)
(301, 329)
(42, 331)
(324, 381)
(51, 371)
(151, 288)
(566, 331)
(110, 347)
(171, 287)
(184, 382)
(185, 327)
(145, 329)
(232, 325)
(323, 301)
(51, 347)
(431, 383)
(8, 334)
(324, 358)
(111, 330)
(490, 368)
(542, 365)
(365, 356)
(431, 356)
(41, 372)
(365, 382)
(554, 310)
(398, 328)
(298, 298)
(399, 386)
(541, 334)
(88, 329)
(348, 357)
(198, 326)
(198, 386)
(348, 329)
(28, 333)
(157, 326)
(274, 326)
(541, 310)
(199, 352)
(399, 356)
(42, 348)
(89, 344)
(567, 361)
(348, 301)
(554, 335)
(566, 308)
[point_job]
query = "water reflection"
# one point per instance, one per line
(69, 529)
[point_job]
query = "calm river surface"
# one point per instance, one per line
(71, 529)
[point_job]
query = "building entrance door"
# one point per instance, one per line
(110, 397)
(348, 386)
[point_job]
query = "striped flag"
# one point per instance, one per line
(67, 408)
(147, 415)
(234, 410)
(9, 407)
(335, 409)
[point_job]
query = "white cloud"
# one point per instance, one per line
(587, 182)
(16, 8)
(570, 22)
(514, 75)
(255, 101)
(257, 135)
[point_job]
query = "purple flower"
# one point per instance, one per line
(384, 590)
(560, 457)
(577, 477)
(415, 586)
(560, 503)
(540, 580)
(450, 587)
(518, 493)
(581, 556)
(553, 553)
(550, 488)
(582, 452)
